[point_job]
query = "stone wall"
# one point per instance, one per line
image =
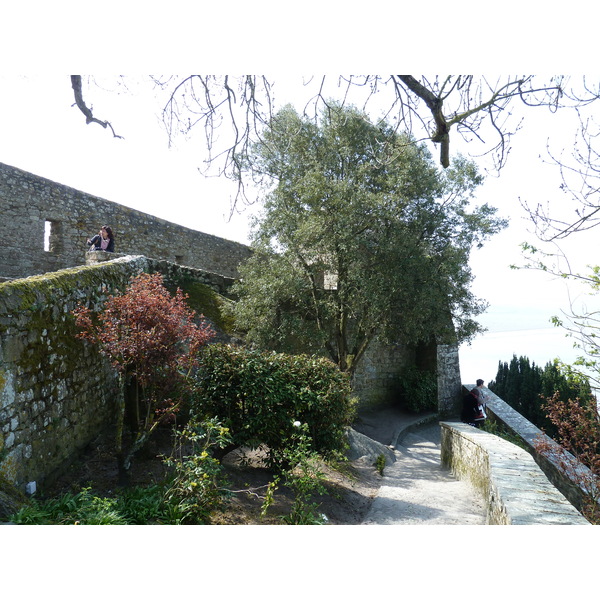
(498, 410)
(375, 381)
(57, 392)
(46, 225)
(449, 383)
(514, 488)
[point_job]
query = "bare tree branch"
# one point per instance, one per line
(234, 111)
(89, 117)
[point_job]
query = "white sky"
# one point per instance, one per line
(42, 132)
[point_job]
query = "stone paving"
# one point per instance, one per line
(417, 490)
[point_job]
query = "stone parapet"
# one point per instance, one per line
(50, 223)
(515, 489)
(498, 410)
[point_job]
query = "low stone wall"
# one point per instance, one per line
(498, 410)
(515, 489)
(56, 391)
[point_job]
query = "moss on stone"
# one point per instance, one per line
(206, 301)
(11, 499)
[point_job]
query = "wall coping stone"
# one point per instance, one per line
(498, 410)
(515, 489)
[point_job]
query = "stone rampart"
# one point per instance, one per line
(498, 410)
(46, 225)
(56, 391)
(514, 488)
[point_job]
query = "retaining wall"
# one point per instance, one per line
(515, 489)
(57, 392)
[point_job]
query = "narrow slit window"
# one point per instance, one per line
(52, 230)
(47, 235)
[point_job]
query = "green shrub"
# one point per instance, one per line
(198, 483)
(417, 390)
(259, 395)
(79, 508)
(301, 473)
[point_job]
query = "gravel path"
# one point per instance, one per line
(416, 490)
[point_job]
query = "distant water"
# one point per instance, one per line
(480, 359)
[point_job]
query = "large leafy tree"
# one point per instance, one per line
(361, 236)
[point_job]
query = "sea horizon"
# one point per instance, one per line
(480, 359)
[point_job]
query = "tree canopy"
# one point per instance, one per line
(362, 235)
(527, 388)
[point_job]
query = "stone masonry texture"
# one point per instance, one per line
(56, 394)
(29, 204)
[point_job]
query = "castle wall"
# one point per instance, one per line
(57, 393)
(46, 224)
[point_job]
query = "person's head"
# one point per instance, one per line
(108, 231)
(479, 382)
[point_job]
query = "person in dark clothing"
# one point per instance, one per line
(471, 412)
(104, 240)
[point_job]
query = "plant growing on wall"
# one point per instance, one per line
(152, 340)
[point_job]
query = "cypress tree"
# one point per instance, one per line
(524, 386)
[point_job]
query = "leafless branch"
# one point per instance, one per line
(79, 101)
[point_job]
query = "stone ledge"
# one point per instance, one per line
(93, 257)
(550, 463)
(515, 489)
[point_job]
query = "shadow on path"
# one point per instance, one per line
(416, 489)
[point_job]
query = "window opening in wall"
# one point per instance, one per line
(179, 259)
(51, 236)
(47, 235)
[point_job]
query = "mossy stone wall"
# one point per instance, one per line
(56, 391)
